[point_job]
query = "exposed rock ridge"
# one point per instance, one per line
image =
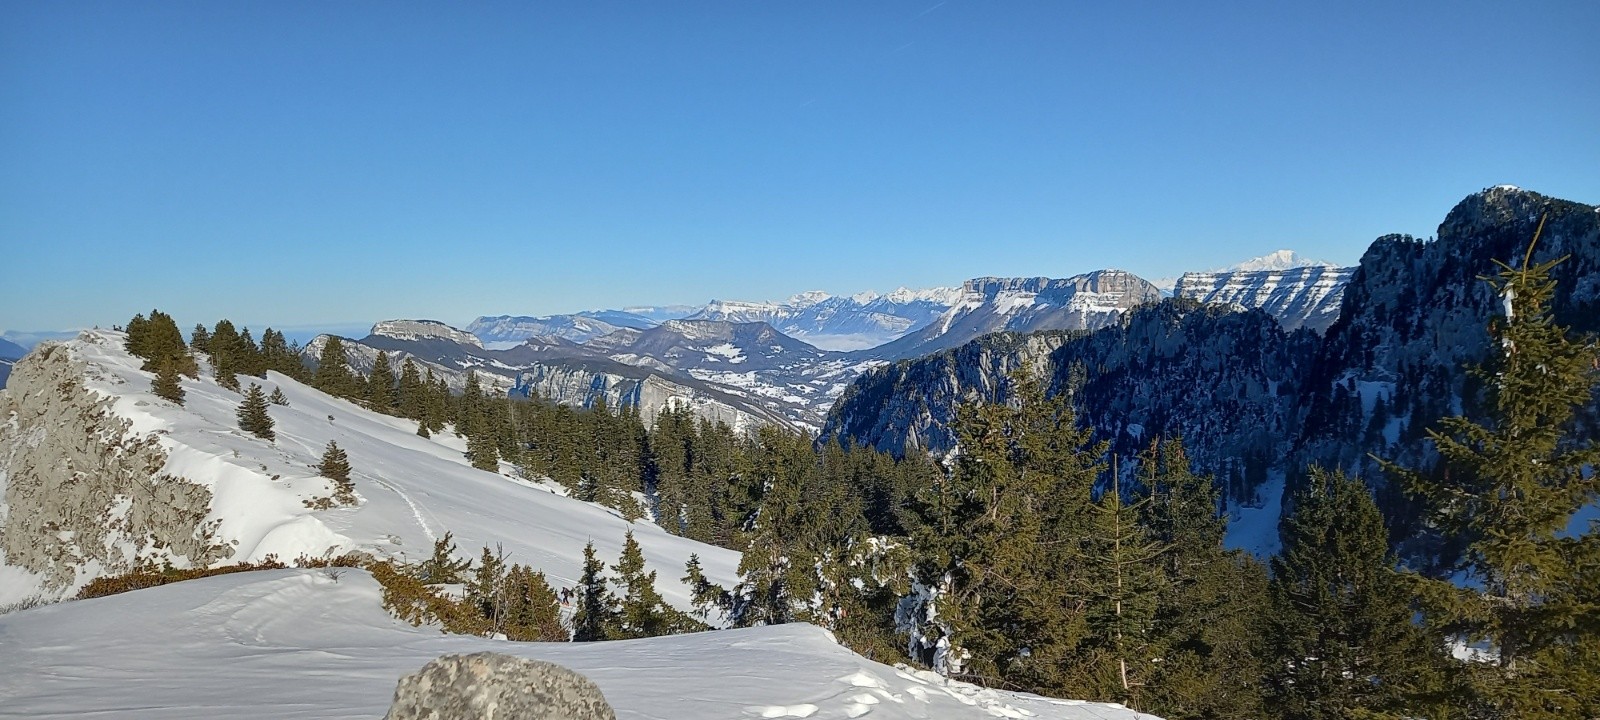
(84, 494)
(1306, 297)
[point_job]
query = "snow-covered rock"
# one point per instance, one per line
(988, 304)
(1298, 297)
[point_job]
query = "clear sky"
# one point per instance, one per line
(295, 164)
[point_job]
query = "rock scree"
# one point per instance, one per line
(492, 686)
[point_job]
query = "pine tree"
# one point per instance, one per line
(997, 542)
(380, 385)
(442, 568)
(532, 611)
(278, 398)
(333, 374)
(1122, 582)
(200, 339)
(166, 384)
(411, 398)
(159, 341)
(1207, 632)
(776, 572)
(486, 588)
(598, 614)
(252, 413)
(643, 612)
(226, 355)
(250, 361)
(1510, 486)
(703, 593)
(1341, 623)
(335, 466)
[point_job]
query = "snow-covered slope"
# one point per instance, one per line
(412, 489)
(317, 644)
(1298, 297)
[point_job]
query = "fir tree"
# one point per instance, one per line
(166, 384)
(159, 341)
(200, 339)
(1122, 582)
(1510, 486)
(1340, 627)
(1207, 630)
(703, 593)
(598, 614)
(252, 413)
(227, 355)
(486, 588)
(278, 398)
(532, 611)
(380, 385)
(335, 466)
(643, 612)
(442, 568)
(410, 398)
(333, 374)
(996, 539)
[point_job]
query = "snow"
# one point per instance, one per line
(317, 644)
(729, 351)
(1255, 529)
(412, 489)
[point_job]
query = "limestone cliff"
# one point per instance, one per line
(84, 493)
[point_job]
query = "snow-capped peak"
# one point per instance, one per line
(807, 298)
(1276, 260)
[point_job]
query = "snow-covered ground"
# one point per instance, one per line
(412, 489)
(317, 644)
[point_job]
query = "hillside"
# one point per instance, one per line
(187, 485)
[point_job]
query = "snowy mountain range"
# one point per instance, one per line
(1300, 296)
(1254, 404)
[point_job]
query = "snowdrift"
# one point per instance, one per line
(317, 644)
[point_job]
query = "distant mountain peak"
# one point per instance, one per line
(422, 329)
(1276, 260)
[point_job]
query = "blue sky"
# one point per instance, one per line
(302, 164)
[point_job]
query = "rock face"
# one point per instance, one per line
(1299, 297)
(81, 488)
(422, 330)
(1082, 302)
(1253, 402)
(491, 686)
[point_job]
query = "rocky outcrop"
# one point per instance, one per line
(1299, 297)
(491, 686)
(423, 330)
(988, 304)
(84, 494)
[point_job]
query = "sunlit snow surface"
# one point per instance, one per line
(317, 644)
